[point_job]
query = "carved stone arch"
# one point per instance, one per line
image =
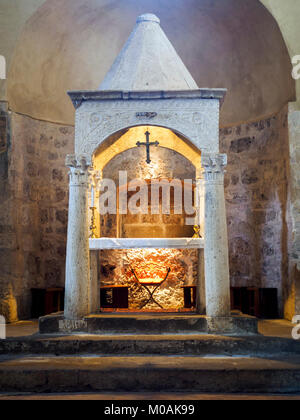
(126, 139)
(197, 121)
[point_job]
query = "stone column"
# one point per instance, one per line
(94, 282)
(200, 296)
(94, 298)
(217, 281)
(77, 294)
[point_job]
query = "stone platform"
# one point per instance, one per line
(139, 323)
(140, 374)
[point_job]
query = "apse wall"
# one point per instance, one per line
(257, 199)
(230, 43)
(33, 213)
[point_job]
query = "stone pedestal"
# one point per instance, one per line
(217, 282)
(77, 294)
(143, 324)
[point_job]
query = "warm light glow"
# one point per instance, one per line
(166, 139)
(151, 171)
(151, 266)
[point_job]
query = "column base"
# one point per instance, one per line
(233, 325)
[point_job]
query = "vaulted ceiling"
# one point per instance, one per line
(71, 45)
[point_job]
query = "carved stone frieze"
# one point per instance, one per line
(198, 120)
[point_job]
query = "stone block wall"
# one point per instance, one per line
(8, 304)
(33, 213)
(294, 203)
(256, 186)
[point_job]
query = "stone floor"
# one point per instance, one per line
(150, 397)
(22, 329)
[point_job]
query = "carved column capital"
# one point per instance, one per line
(214, 167)
(80, 167)
(83, 162)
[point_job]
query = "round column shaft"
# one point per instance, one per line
(77, 262)
(217, 281)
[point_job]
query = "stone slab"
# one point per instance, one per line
(196, 374)
(149, 324)
(153, 243)
(188, 344)
(107, 95)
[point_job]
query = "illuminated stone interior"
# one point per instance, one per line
(150, 265)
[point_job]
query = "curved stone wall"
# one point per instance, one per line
(229, 43)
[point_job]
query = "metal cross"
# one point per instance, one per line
(148, 144)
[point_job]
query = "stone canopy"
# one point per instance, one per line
(148, 61)
(148, 85)
(147, 75)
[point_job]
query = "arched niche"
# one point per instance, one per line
(127, 139)
(175, 159)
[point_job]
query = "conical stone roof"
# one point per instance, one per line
(148, 61)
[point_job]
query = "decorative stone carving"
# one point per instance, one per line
(79, 169)
(214, 167)
(82, 162)
(146, 115)
(196, 119)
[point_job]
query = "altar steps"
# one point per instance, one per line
(44, 374)
(170, 362)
